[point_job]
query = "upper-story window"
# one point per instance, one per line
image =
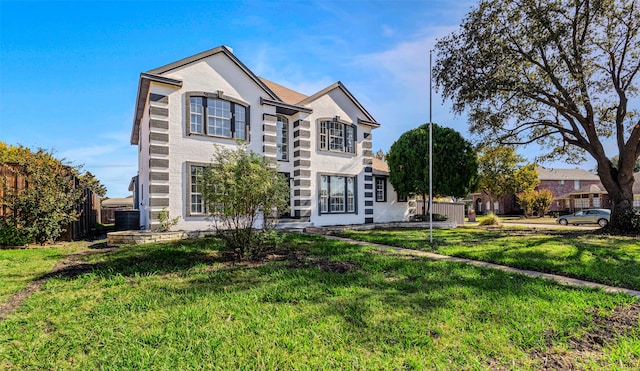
(213, 116)
(283, 138)
(337, 136)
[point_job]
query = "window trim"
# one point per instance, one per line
(384, 188)
(233, 104)
(347, 130)
(189, 184)
(345, 196)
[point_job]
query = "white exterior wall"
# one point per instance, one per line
(328, 106)
(204, 76)
(218, 73)
(392, 210)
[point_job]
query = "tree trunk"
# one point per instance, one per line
(619, 186)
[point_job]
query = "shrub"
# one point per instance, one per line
(425, 218)
(165, 222)
(490, 219)
(13, 236)
(629, 222)
(244, 195)
(48, 203)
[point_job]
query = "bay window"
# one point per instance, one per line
(209, 115)
(337, 194)
(337, 137)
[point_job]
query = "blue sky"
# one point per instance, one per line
(69, 70)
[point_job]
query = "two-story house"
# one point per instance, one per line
(322, 142)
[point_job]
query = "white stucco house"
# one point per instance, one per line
(322, 143)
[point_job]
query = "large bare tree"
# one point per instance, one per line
(559, 73)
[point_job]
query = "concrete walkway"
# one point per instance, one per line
(559, 279)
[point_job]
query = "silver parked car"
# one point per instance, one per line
(588, 216)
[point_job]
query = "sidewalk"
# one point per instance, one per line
(567, 281)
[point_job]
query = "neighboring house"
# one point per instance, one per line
(322, 142)
(565, 184)
(594, 196)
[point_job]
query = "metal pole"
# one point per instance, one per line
(430, 156)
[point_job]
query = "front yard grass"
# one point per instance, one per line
(18, 267)
(611, 260)
(313, 304)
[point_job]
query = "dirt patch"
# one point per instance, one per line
(70, 266)
(605, 330)
(326, 265)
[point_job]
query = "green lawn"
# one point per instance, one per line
(21, 266)
(315, 304)
(611, 260)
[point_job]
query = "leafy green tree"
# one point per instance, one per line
(502, 171)
(455, 169)
(242, 191)
(90, 181)
(559, 73)
(48, 202)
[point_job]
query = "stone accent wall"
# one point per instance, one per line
(301, 170)
(158, 157)
(269, 137)
(367, 160)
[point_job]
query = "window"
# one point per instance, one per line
(636, 201)
(581, 202)
(337, 137)
(197, 109)
(209, 115)
(596, 200)
(401, 198)
(337, 194)
(195, 194)
(576, 185)
(283, 138)
(381, 189)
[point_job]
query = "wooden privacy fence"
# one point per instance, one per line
(88, 209)
(454, 211)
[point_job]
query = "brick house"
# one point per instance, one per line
(571, 188)
(322, 143)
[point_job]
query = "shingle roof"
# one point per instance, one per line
(564, 174)
(380, 167)
(285, 94)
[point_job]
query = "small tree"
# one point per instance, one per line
(502, 171)
(455, 168)
(166, 222)
(527, 200)
(543, 201)
(243, 191)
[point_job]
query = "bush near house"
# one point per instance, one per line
(39, 195)
(241, 189)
